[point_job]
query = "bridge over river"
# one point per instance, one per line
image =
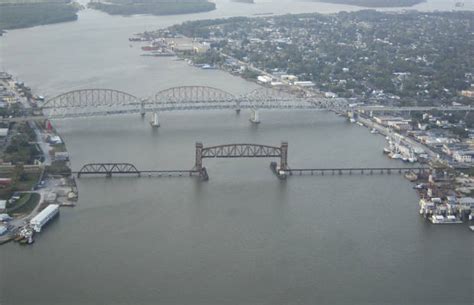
(105, 102)
(245, 150)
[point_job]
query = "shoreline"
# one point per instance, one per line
(51, 187)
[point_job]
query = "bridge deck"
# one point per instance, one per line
(354, 170)
(145, 173)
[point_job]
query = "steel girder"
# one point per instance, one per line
(108, 169)
(241, 151)
(77, 102)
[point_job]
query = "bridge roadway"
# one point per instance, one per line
(230, 107)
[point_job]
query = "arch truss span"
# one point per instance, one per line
(108, 169)
(194, 98)
(283, 97)
(91, 102)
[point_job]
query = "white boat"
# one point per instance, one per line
(374, 131)
(352, 120)
(440, 219)
(155, 121)
(395, 156)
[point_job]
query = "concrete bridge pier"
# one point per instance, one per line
(155, 122)
(142, 108)
(254, 116)
(237, 107)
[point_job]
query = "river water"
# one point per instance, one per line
(243, 237)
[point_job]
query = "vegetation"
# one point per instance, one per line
(376, 3)
(58, 168)
(411, 58)
(153, 7)
(25, 204)
(22, 15)
(21, 181)
(20, 150)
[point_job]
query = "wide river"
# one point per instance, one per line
(243, 237)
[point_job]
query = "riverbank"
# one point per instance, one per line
(376, 3)
(160, 8)
(28, 14)
(35, 181)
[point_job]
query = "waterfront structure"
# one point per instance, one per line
(44, 216)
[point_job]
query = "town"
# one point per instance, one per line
(35, 178)
(370, 58)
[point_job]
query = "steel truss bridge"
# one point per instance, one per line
(104, 102)
(127, 169)
(245, 150)
(101, 102)
(239, 151)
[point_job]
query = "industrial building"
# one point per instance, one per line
(44, 216)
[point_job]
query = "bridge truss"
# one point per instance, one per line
(108, 169)
(90, 102)
(103, 102)
(245, 150)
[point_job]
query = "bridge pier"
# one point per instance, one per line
(237, 107)
(198, 157)
(142, 108)
(155, 122)
(254, 116)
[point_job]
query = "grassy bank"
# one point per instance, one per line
(153, 8)
(25, 204)
(21, 181)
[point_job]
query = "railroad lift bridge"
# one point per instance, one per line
(240, 150)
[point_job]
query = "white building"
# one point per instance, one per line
(463, 156)
(264, 79)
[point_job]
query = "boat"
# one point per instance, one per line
(352, 120)
(386, 150)
(150, 48)
(374, 131)
(155, 121)
(395, 156)
(440, 219)
(208, 67)
(471, 228)
(419, 186)
(411, 176)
